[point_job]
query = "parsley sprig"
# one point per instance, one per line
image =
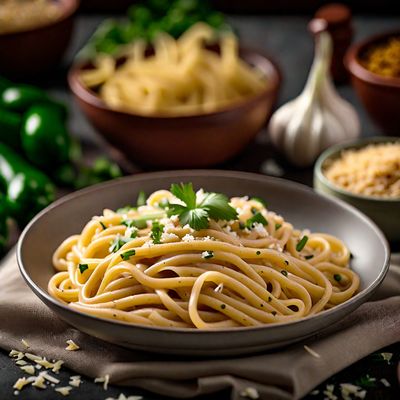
(197, 214)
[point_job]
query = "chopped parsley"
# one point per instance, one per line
(277, 226)
(274, 313)
(83, 267)
(156, 232)
(242, 225)
(196, 215)
(337, 277)
(164, 203)
(258, 252)
(102, 225)
(207, 254)
(366, 381)
(260, 200)
(223, 306)
(269, 298)
(257, 217)
(117, 243)
(128, 254)
(286, 262)
(302, 243)
(125, 209)
(309, 257)
(284, 272)
(134, 232)
(254, 210)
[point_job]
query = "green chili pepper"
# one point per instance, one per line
(44, 136)
(19, 98)
(10, 127)
(27, 189)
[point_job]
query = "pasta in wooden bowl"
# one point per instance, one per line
(208, 100)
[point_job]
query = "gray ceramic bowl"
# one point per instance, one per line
(384, 212)
(299, 204)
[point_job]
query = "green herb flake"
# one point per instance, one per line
(256, 218)
(102, 225)
(164, 204)
(254, 210)
(260, 200)
(269, 298)
(141, 199)
(284, 272)
(366, 381)
(223, 306)
(117, 243)
(274, 313)
(302, 243)
(156, 232)
(128, 254)
(83, 267)
(309, 256)
(277, 226)
(286, 262)
(258, 252)
(337, 277)
(214, 205)
(207, 254)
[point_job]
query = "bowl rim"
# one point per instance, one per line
(364, 294)
(353, 65)
(334, 151)
(70, 8)
(89, 96)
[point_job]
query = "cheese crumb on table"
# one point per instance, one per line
(29, 369)
(64, 390)
(72, 345)
(103, 379)
(250, 393)
(75, 381)
(25, 343)
(312, 352)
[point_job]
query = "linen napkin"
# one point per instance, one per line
(289, 373)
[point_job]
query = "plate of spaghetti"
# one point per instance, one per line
(202, 262)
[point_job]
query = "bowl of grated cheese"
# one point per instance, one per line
(366, 174)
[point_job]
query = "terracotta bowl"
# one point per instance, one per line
(182, 141)
(380, 95)
(34, 51)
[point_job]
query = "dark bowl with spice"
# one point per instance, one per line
(374, 66)
(33, 50)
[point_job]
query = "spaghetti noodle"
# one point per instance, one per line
(143, 266)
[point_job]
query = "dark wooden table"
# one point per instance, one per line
(286, 39)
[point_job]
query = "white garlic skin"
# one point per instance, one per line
(318, 118)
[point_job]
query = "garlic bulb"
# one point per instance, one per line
(318, 118)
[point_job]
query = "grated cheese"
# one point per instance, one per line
(169, 237)
(72, 346)
(312, 352)
(103, 379)
(39, 382)
(188, 238)
(64, 390)
(250, 393)
(21, 382)
(75, 381)
(25, 343)
(385, 382)
(387, 357)
(29, 369)
(49, 377)
(219, 288)
(259, 229)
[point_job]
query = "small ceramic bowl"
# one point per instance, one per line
(34, 51)
(384, 212)
(380, 95)
(182, 141)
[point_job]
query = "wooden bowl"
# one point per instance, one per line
(35, 51)
(182, 141)
(380, 95)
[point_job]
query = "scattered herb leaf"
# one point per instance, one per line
(156, 232)
(274, 313)
(337, 277)
(102, 225)
(277, 226)
(128, 254)
(309, 256)
(257, 217)
(258, 252)
(117, 243)
(302, 243)
(223, 306)
(284, 272)
(207, 254)
(141, 199)
(83, 267)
